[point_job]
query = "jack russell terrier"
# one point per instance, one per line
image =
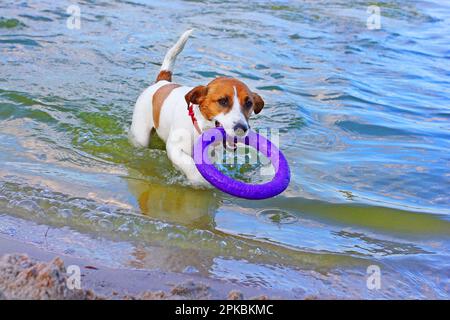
(179, 113)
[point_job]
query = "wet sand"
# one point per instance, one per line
(29, 272)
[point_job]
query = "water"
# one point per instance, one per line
(364, 122)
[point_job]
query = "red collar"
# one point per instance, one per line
(197, 127)
(193, 118)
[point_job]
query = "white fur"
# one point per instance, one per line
(171, 55)
(142, 123)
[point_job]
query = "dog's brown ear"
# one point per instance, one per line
(196, 95)
(259, 103)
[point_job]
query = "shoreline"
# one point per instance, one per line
(102, 282)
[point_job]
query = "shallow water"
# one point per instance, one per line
(363, 118)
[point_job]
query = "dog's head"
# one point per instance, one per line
(227, 101)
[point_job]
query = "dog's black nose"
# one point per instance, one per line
(240, 128)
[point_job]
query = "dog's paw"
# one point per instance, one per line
(199, 182)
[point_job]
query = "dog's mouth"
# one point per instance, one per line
(227, 143)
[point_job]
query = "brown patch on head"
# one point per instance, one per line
(196, 95)
(164, 75)
(218, 97)
(158, 99)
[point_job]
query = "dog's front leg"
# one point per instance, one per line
(179, 145)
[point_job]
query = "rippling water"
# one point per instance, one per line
(364, 117)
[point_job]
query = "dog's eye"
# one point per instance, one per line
(248, 103)
(223, 101)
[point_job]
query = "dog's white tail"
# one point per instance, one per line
(165, 72)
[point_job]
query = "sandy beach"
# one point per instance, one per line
(46, 275)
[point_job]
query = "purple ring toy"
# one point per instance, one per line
(237, 188)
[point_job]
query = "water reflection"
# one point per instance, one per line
(174, 203)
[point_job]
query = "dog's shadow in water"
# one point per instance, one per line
(177, 204)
